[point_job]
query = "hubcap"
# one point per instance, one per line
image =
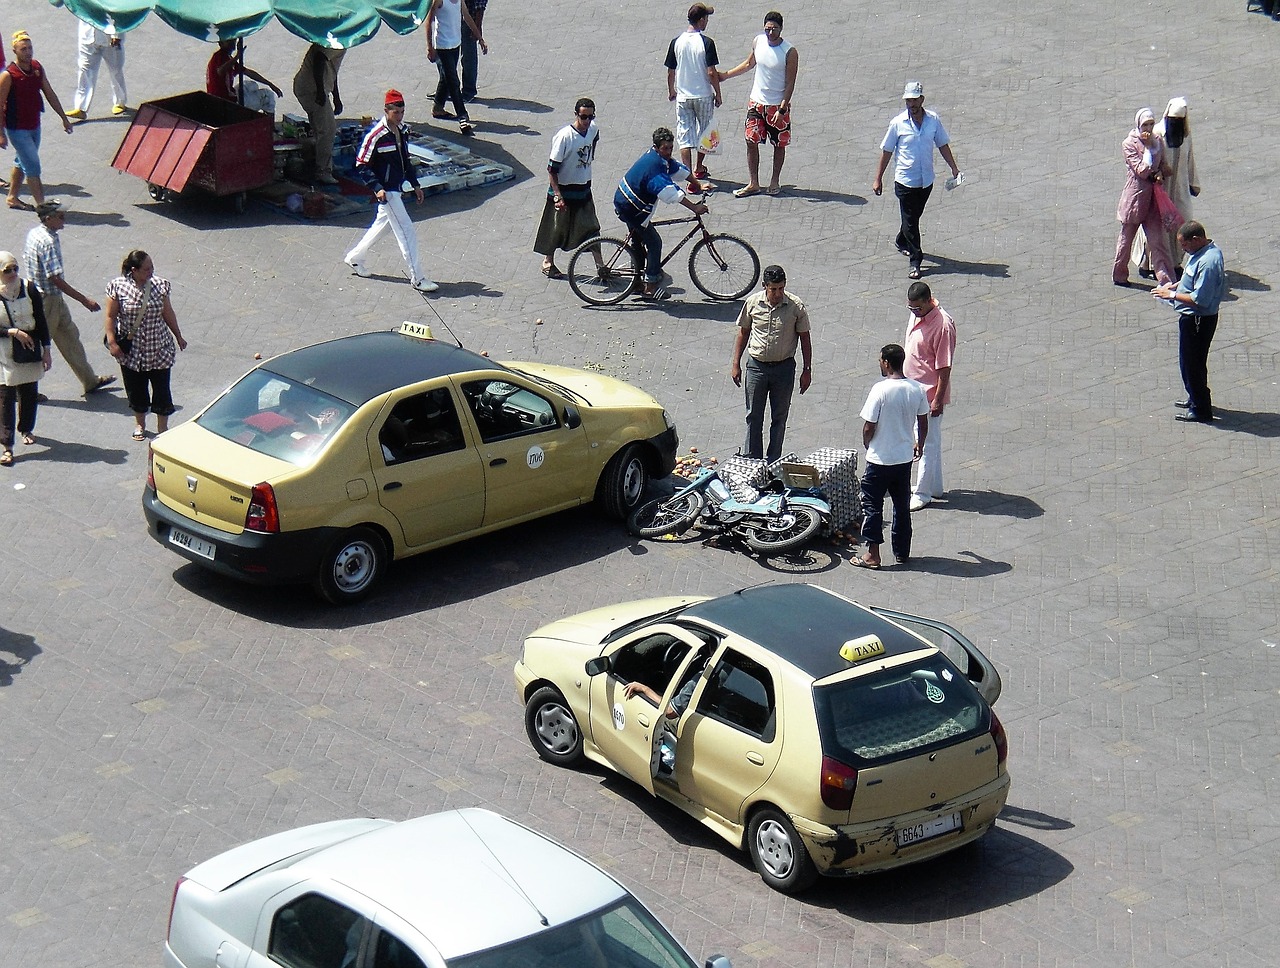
(774, 847)
(556, 729)
(633, 481)
(353, 567)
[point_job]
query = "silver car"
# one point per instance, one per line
(465, 889)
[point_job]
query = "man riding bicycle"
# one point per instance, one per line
(651, 179)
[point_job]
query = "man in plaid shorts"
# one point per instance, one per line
(776, 63)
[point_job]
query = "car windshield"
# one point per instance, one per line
(553, 385)
(624, 935)
(898, 713)
(276, 416)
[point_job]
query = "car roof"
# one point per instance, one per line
(468, 880)
(360, 367)
(803, 624)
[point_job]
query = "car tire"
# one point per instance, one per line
(552, 728)
(778, 853)
(351, 566)
(623, 483)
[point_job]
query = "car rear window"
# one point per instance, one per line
(898, 713)
(276, 416)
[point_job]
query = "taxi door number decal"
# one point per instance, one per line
(619, 716)
(534, 458)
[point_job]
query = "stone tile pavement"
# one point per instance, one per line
(1118, 567)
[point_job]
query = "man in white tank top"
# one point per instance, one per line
(776, 63)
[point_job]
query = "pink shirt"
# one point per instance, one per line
(930, 345)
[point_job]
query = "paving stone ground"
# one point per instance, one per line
(1118, 567)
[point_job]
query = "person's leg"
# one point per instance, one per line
(355, 257)
(1124, 249)
(406, 236)
(26, 151)
(756, 133)
(780, 135)
(1194, 339)
(1158, 247)
(15, 179)
(755, 384)
(87, 61)
(911, 203)
(161, 397)
(470, 57)
(782, 380)
(899, 488)
(8, 407)
(115, 64)
(874, 485)
(324, 125)
(66, 337)
(779, 156)
(447, 64)
(138, 393)
(652, 256)
(28, 405)
(929, 479)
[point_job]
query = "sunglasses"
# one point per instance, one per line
(587, 117)
(8, 269)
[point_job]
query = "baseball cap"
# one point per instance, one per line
(700, 10)
(45, 209)
(393, 97)
(913, 89)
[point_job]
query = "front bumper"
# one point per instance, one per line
(666, 444)
(291, 557)
(868, 847)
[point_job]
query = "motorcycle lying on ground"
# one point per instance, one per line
(772, 521)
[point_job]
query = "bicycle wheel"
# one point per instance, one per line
(609, 282)
(671, 515)
(790, 529)
(724, 266)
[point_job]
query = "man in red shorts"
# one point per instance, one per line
(776, 63)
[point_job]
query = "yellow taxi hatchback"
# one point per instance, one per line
(821, 735)
(323, 464)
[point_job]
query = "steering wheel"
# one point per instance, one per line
(671, 657)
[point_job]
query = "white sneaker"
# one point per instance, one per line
(425, 285)
(358, 268)
(918, 503)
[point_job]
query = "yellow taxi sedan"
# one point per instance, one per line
(324, 463)
(821, 735)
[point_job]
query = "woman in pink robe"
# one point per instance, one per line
(1144, 159)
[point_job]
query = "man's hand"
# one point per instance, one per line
(90, 304)
(806, 379)
(700, 209)
(417, 194)
(735, 372)
(936, 410)
(877, 185)
(337, 104)
(431, 54)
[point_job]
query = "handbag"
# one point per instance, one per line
(20, 352)
(1170, 217)
(124, 335)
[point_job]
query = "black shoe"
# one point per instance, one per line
(1183, 404)
(1146, 273)
(1191, 417)
(903, 249)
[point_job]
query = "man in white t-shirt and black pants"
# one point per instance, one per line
(895, 426)
(693, 82)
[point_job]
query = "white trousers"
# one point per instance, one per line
(929, 477)
(391, 213)
(91, 57)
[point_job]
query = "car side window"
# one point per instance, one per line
(652, 660)
(740, 693)
(316, 932)
(503, 410)
(423, 425)
(391, 952)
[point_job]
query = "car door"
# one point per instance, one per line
(313, 925)
(534, 462)
(627, 728)
(427, 471)
(964, 655)
(731, 739)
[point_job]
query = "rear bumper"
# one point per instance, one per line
(868, 847)
(288, 558)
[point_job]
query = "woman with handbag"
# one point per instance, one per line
(24, 355)
(141, 329)
(1144, 161)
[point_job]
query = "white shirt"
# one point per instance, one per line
(914, 146)
(893, 405)
(446, 28)
(689, 56)
(770, 82)
(573, 153)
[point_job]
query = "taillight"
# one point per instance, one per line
(838, 784)
(151, 468)
(999, 738)
(263, 514)
(173, 902)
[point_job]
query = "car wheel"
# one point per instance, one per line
(351, 567)
(623, 482)
(552, 729)
(778, 852)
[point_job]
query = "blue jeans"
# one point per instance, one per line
(646, 238)
(470, 60)
(449, 86)
(769, 383)
(26, 149)
(894, 480)
(911, 203)
(1195, 333)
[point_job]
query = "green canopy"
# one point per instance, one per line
(332, 23)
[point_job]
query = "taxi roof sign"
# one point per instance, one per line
(863, 647)
(417, 330)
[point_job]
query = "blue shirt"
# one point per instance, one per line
(650, 178)
(1205, 280)
(914, 146)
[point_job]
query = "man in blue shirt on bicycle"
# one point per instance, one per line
(651, 179)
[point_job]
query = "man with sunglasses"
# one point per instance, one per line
(930, 345)
(777, 64)
(569, 214)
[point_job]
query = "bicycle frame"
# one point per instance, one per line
(699, 227)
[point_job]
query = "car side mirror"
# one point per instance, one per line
(719, 961)
(572, 419)
(597, 665)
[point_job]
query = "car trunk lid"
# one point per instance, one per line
(924, 780)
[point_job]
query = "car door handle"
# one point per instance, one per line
(497, 462)
(755, 758)
(391, 485)
(643, 721)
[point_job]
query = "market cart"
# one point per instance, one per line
(198, 141)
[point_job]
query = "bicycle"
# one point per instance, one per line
(722, 266)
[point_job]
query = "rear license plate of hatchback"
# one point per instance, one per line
(193, 544)
(928, 829)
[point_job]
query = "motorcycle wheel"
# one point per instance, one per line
(671, 515)
(790, 529)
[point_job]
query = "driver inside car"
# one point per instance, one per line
(675, 709)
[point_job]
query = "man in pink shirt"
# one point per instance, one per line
(930, 345)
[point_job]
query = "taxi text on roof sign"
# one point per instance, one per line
(863, 647)
(419, 330)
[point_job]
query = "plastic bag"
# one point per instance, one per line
(1169, 214)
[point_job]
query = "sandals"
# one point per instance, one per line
(860, 562)
(139, 434)
(6, 458)
(658, 295)
(552, 272)
(19, 204)
(746, 192)
(28, 439)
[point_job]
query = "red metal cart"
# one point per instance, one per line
(198, 141)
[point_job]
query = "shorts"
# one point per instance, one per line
(26, 148)
(694, 118)
(766, 121)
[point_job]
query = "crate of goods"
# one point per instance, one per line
(838, 479)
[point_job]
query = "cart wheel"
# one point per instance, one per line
(240, 200)
(158, 192)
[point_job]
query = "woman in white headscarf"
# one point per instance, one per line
(1144, 160)
(1174, 132)
(24, 355)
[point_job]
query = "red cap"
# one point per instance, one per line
(393, 97)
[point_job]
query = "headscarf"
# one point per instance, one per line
(19, 35)
(9, 287)
(1177, 127)
(1143, 115)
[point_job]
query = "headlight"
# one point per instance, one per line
(666, 418)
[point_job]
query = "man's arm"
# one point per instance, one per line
(806, 354)
(71, 292)
(950, 159)
(877, 185)
(922, 431)
(793, 69)
(742, 68)
(6, 82)
(51, 96)
(940, 392)
(868, 431)
(739, 344)
(427, 25)
(474, 26)
(671, 84)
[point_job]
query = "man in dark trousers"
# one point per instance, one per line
(1196, 298)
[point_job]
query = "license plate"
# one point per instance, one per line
(193, 544)
(927, 829)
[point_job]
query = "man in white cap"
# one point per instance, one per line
(912, 136)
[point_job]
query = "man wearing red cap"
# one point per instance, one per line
(384, 154)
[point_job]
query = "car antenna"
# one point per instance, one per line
(759, 584)
(441, 318)
(516, 884)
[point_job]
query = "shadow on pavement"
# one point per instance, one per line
(514, 104)
(941, 264)
(1238, 280)
(991, 502)
(1245, 422)
(979, 567)
(22, 647)
(75, 452)
(1034, 819)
